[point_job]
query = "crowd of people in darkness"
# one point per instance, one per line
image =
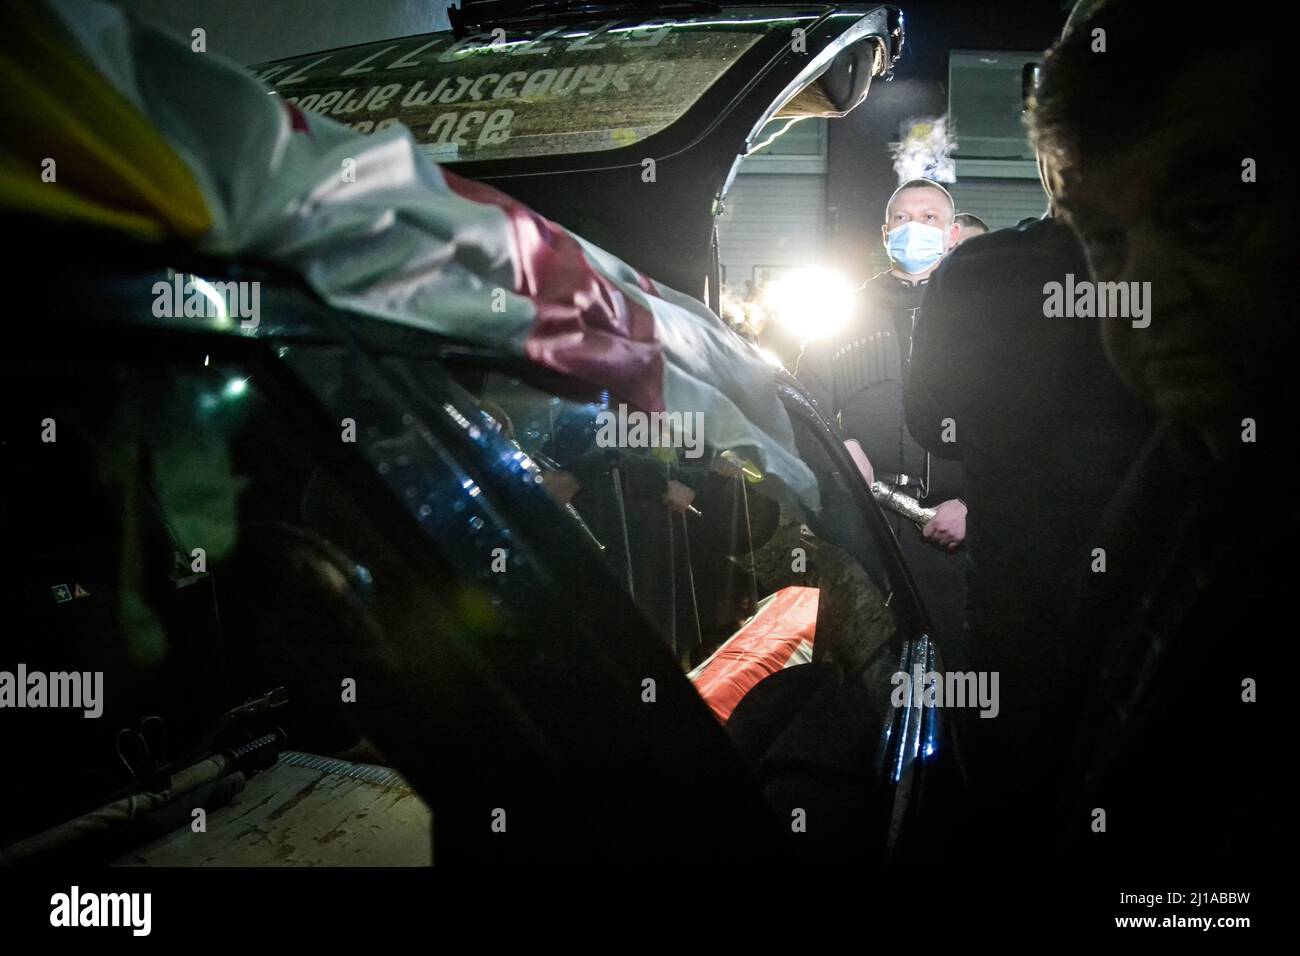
(1107, 536)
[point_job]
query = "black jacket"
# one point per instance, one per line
(1045, 432)
(1194, 602)
(1044, 429)
(856, 378)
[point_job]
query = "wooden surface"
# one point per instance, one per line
(305, 811)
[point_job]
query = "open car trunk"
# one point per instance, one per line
(623, 122)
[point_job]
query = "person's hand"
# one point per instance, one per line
(727, 465)
(678, 497)
(561, 486)
(860, 459)
(947, 529)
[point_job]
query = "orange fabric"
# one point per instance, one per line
(760, 648)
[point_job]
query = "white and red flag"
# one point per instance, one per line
(377, 227)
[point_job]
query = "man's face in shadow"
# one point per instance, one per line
(967, 231)
(1170, 207)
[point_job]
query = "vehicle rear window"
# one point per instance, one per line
(569, 89)
(699, 574)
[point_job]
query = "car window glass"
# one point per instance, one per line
(169, 526)
(698, 572)
(581, 88)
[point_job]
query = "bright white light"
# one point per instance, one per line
(811, 303)
(213, 296)
(236, 387)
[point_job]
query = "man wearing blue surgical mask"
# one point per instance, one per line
(919, 229)
(856, 377)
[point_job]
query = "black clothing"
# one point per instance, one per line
(1044, 429)
(856, 379)
(810, 735)
(1045, 432)
(1189, 607)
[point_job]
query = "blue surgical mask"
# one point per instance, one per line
(914, 246)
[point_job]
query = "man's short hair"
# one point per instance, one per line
(1091, 102)
(968, 219)
(918, 184)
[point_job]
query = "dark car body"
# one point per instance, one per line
(663, 227)
(542, 695)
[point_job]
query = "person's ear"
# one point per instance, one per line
(884, 234)
(954, 233)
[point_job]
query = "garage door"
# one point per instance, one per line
(771, 219)
(1000, 202)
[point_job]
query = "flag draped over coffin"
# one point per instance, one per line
(371, 223)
